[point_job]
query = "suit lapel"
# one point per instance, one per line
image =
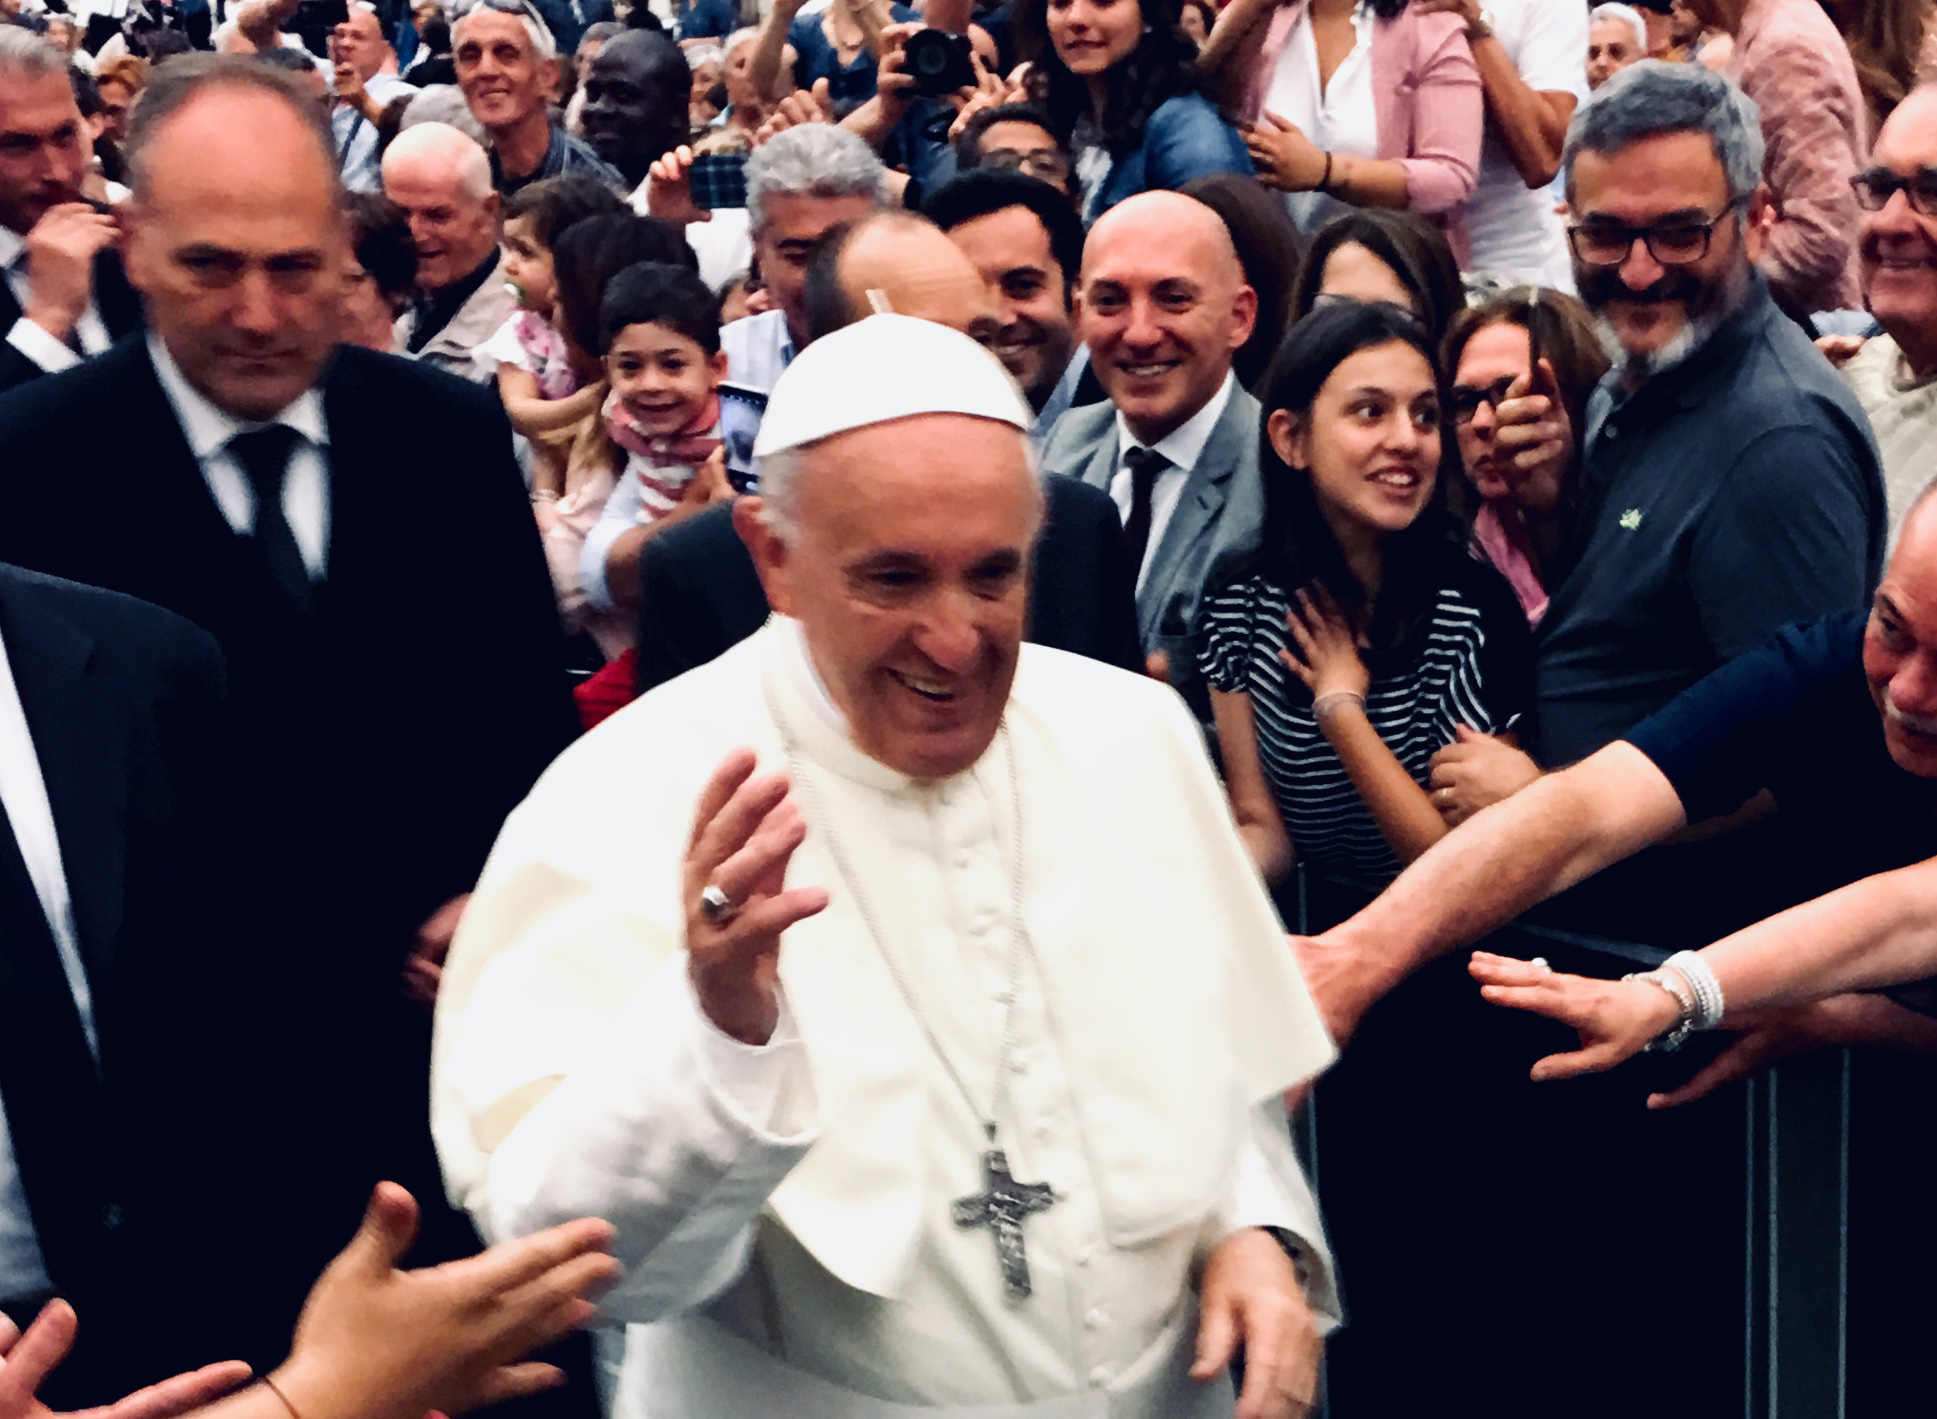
(1205, 489)
(80, 735)
(1101, 467)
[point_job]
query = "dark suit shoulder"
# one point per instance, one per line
(54, 403)
(378, 380)
(1077, 506)
(127, 632)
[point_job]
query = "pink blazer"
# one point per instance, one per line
(1431, 112)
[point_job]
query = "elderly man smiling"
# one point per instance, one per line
(919, 1054)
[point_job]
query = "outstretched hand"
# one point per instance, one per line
(1616, 1020)
(31, 1357)
(1250, 1298)
(375, 1342)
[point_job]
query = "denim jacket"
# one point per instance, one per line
(1185, 139)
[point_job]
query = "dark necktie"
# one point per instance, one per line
(264, 456)
(48, 1079)
(1144, 465)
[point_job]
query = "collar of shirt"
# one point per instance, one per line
(1184, 444)
(798, 662)
(12, 244)
(437, 311)
(1062, 396)
(209, 429)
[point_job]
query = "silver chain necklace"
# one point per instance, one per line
(1004, 1202)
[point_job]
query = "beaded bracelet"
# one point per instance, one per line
(1323, 705)
(1670, 1039)
(1708, 991)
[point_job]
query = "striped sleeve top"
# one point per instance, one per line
(1469, 663)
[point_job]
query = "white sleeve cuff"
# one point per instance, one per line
(752, 1080)
(42, 348)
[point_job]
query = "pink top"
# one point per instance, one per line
(1789, 58)
(1495, 544)
(1430, 110)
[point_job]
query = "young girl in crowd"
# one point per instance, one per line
(544, 394)
(1363, 635)
(1121, 89)
(1526, 487)
(585, 260)
(659, 336)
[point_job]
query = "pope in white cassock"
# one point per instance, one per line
(901, 993)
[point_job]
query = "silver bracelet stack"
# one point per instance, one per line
(1701, 980)
(1697, 995)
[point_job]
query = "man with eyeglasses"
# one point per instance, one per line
(507, 68)
(1894, 375)
(1729, 482)
(1016, 136)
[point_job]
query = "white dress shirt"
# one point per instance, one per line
(1513, 228)
(1183, 446)
(35, 343)
(23, 1273)
(306, 485)
(1340, 116)
(356, 136)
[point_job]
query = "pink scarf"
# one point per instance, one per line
(692, 445)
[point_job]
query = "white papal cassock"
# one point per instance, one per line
(783, 1212)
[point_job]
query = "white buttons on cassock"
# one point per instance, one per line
(1096, 1319)
(1100, 1376)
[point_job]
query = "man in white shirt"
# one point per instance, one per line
(64, 297)
(365, 79)
(1532, 56)
(945, 1068)
(1163, 307)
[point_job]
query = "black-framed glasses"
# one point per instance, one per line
(1875, 186)
(1680, 241)
(1044, 163)
(1464, 400)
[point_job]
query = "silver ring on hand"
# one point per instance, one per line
(716, 906)
(1539, 963)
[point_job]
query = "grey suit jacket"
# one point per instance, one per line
(1214, 527)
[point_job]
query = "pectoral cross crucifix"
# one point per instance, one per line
(1001, 1208)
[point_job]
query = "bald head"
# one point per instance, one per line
(1163, 306)
(1176, 230)
(442, 180)
(359, 43)
(899, 262)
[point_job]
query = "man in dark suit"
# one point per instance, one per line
(64, 296)
(110, 716)
(352, 530)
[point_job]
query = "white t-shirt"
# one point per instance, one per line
(1340, 117)
(1513, 228)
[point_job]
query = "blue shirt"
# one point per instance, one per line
(815, 59)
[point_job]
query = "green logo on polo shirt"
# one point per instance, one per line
(1631, 519)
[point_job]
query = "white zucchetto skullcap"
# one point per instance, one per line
(881, 368)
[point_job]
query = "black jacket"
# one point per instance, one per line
(117, 301)
(374, 747)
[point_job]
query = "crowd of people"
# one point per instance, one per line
(970, 532)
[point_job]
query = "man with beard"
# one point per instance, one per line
(1729, 482)
(1894, 375)
(1027, 241)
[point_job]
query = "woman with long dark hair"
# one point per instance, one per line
(1363, 636)
(1119, 82)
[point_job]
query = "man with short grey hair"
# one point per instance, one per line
(507, 66)
(64, 296)
(442, 180)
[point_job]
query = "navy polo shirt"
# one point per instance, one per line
(1731, 494)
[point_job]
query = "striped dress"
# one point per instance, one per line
(1470, 662)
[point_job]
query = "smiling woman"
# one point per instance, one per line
(1362, 638)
